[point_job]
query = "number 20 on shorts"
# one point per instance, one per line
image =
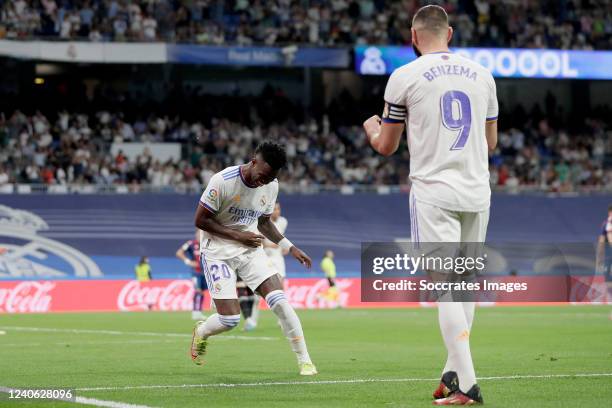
(217, 272)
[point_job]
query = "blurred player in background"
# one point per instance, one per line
(329, 269)
(189, 253)
(235, 208)
(276, 253)
(143, 270)
(247, 299)
(450, 105)
(604, 247)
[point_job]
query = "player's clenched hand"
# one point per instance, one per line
(372, 127)
(301, 256)
(250, 239)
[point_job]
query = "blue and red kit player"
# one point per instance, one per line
(604, 247)
(189, 253)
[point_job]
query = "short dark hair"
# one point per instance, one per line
(432, 18)
(610, 208)
(273, 154)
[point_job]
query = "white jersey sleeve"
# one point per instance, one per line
(492, 105)
(213, 194)
(395, 110)
(272, 200)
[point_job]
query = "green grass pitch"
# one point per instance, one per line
(389, 353)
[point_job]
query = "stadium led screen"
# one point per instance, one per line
(502, 62)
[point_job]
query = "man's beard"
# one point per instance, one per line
(416, 51)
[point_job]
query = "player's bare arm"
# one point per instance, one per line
(268, 229)
(491, 134)
(205, 220)
(383, 137)
(180, 254)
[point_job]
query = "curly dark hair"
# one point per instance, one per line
(273, 154)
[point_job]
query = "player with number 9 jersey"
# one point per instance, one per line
(449, 105)
(449, 98)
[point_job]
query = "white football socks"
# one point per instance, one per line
(468, 309)
(290, 323)
(216, 324)
(453, 319)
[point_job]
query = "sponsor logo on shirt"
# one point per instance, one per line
(244, 216)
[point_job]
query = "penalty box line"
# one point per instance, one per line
(332, 382)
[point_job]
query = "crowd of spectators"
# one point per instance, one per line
(566, 24)
(76, 149)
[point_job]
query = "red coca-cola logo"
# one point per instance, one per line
(26, 297)
(176, 295)
(312, 296)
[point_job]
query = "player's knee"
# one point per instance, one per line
(229, 321)
(275, 297)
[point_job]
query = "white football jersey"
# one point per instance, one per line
(281, 225)
(445, 99)
(237, 206)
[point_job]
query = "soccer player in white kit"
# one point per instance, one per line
(449, 104)
(233, 210)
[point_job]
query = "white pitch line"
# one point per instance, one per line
(63, 343)
(328, 382)
(119, 333)
(105, 403)
(81, 400)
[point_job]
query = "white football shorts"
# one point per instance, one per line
(253, 267)
(429, 223)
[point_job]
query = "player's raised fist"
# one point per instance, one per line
(301, 256)
(372, 126)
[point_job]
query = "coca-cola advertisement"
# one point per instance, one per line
(27, 296)
(95, 295)
(160, 295)
(163, 295)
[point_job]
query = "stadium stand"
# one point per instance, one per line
(75, 148)
(574, 24)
